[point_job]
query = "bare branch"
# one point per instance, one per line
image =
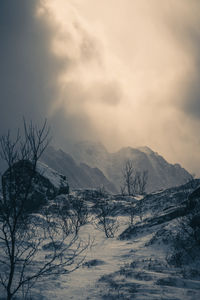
(21, 237)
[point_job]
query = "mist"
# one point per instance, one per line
(125, 73)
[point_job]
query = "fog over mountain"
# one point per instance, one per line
(123, 72)
(99, 149)
(161, 174)
(78, 175)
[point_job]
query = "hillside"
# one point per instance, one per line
(154, 257)
(162, 174)
(140, 262)
(79, 175)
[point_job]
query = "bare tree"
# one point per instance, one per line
(133, 181)
(140, 182)
(105, 222)
(23, 237)
(79, 214)
(128, 173)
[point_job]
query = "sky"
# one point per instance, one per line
(123, 72)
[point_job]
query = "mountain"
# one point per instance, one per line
(78, 175)
(161, 174)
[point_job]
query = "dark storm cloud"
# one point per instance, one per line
(28, 72)
(191, 103)
(186, 31)
(91, 77)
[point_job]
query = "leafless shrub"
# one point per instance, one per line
(79, 214)
(134, 182)
(22, 258)
(127, 174)
(105, 222)
(140, 182)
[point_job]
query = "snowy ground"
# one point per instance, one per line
(135, 267)
(124, 270)
(82, 283)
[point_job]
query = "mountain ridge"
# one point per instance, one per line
(79, 175)
(161, 173)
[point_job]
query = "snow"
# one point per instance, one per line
(133, 268)
(150, 277)
(161, 173)
(53, 176)
(81, 284)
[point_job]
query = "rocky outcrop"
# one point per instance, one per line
(23, 185)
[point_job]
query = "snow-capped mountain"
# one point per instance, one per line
(161, 174)
(79, 175)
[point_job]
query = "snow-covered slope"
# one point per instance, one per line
(78, 175)
(161, 173)
(135, 263)
(53, 176)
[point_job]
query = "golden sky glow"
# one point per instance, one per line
(130, 63)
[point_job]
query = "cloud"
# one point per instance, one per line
(123, 72)
(188, 36)
(29, 71)
(153, 47)
(88, 87)
(43, 69)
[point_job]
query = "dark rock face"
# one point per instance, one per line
(195, 222)
(23, 185)
(63, 190)
(194, 199)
